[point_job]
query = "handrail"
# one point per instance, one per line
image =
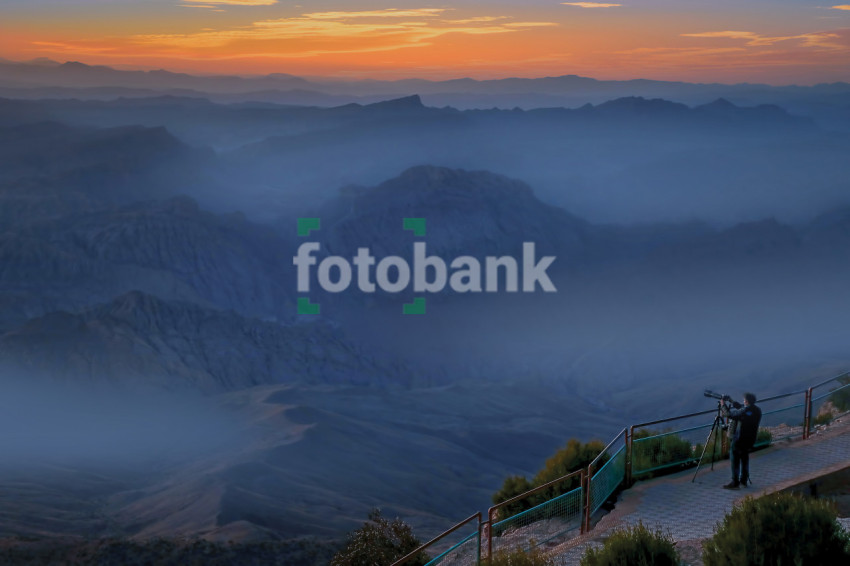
(839, 376)
(712, 411)
(494, 508)
(589, 477)
(676, 418)
(782, 396)
(605, 450)
(407, 557)
(532, 491)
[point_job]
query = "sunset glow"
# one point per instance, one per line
(800, 42)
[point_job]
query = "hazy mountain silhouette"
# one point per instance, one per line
(138, 341)
(627, 160)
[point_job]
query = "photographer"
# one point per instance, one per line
(743, 438)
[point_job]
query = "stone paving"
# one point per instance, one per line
(689, 511)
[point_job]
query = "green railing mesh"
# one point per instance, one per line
(660, 450)
(776, 424)
(838, 398)
(553, 519)
(467, 552)
(607, 479)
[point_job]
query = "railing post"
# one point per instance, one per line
(588, 503)
(807, 414)
(582, 512)
(629, 449)
(481, 527)
(490, 514)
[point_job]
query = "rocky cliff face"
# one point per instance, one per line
(171, 249)
(467, 213)
(138, 340)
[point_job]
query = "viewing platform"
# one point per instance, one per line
(689, 511)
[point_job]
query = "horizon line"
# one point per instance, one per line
(349, 79)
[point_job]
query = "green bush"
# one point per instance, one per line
(518, 557)
(780, 529)
(574, 456)
(513, 486)
(669, 450)
(763, 437)
(823, 419)
(379, 541)
(633, 546)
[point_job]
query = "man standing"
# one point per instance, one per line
(748, 417)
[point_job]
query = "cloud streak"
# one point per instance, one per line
(823, 40)
(232, 2)
(317, 33)
(387, 13)
(590, 5)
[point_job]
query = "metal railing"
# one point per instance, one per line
(783, 416)
(818, 395)
(651, 451)
(564, 506)
(542, 515)
(466, 552)
(610, 466)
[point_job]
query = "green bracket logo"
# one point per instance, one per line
(416, 225)
(306, 307)
(416, 307)
(307, 225)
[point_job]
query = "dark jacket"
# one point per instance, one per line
(748, 418)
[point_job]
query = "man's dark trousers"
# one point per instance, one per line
(740, 463)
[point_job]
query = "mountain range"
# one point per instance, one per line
(159, 381)
(36, 79)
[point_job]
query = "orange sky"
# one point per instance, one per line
(774, 41)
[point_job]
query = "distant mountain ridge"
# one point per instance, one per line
(73, 73)
(826, 103)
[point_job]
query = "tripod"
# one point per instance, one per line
(716, 427)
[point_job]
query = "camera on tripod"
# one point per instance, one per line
(718, 396)
(720, 424)
(722, 400)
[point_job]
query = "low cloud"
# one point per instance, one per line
(825, 40)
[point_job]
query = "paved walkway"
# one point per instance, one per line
(690, 511)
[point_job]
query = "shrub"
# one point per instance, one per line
(670, 449)
(513, 486)
(778, 529)
(633, 546)
(763, 437)
(823, 419)
(518, 557)
(379, 541)
(574, 456)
